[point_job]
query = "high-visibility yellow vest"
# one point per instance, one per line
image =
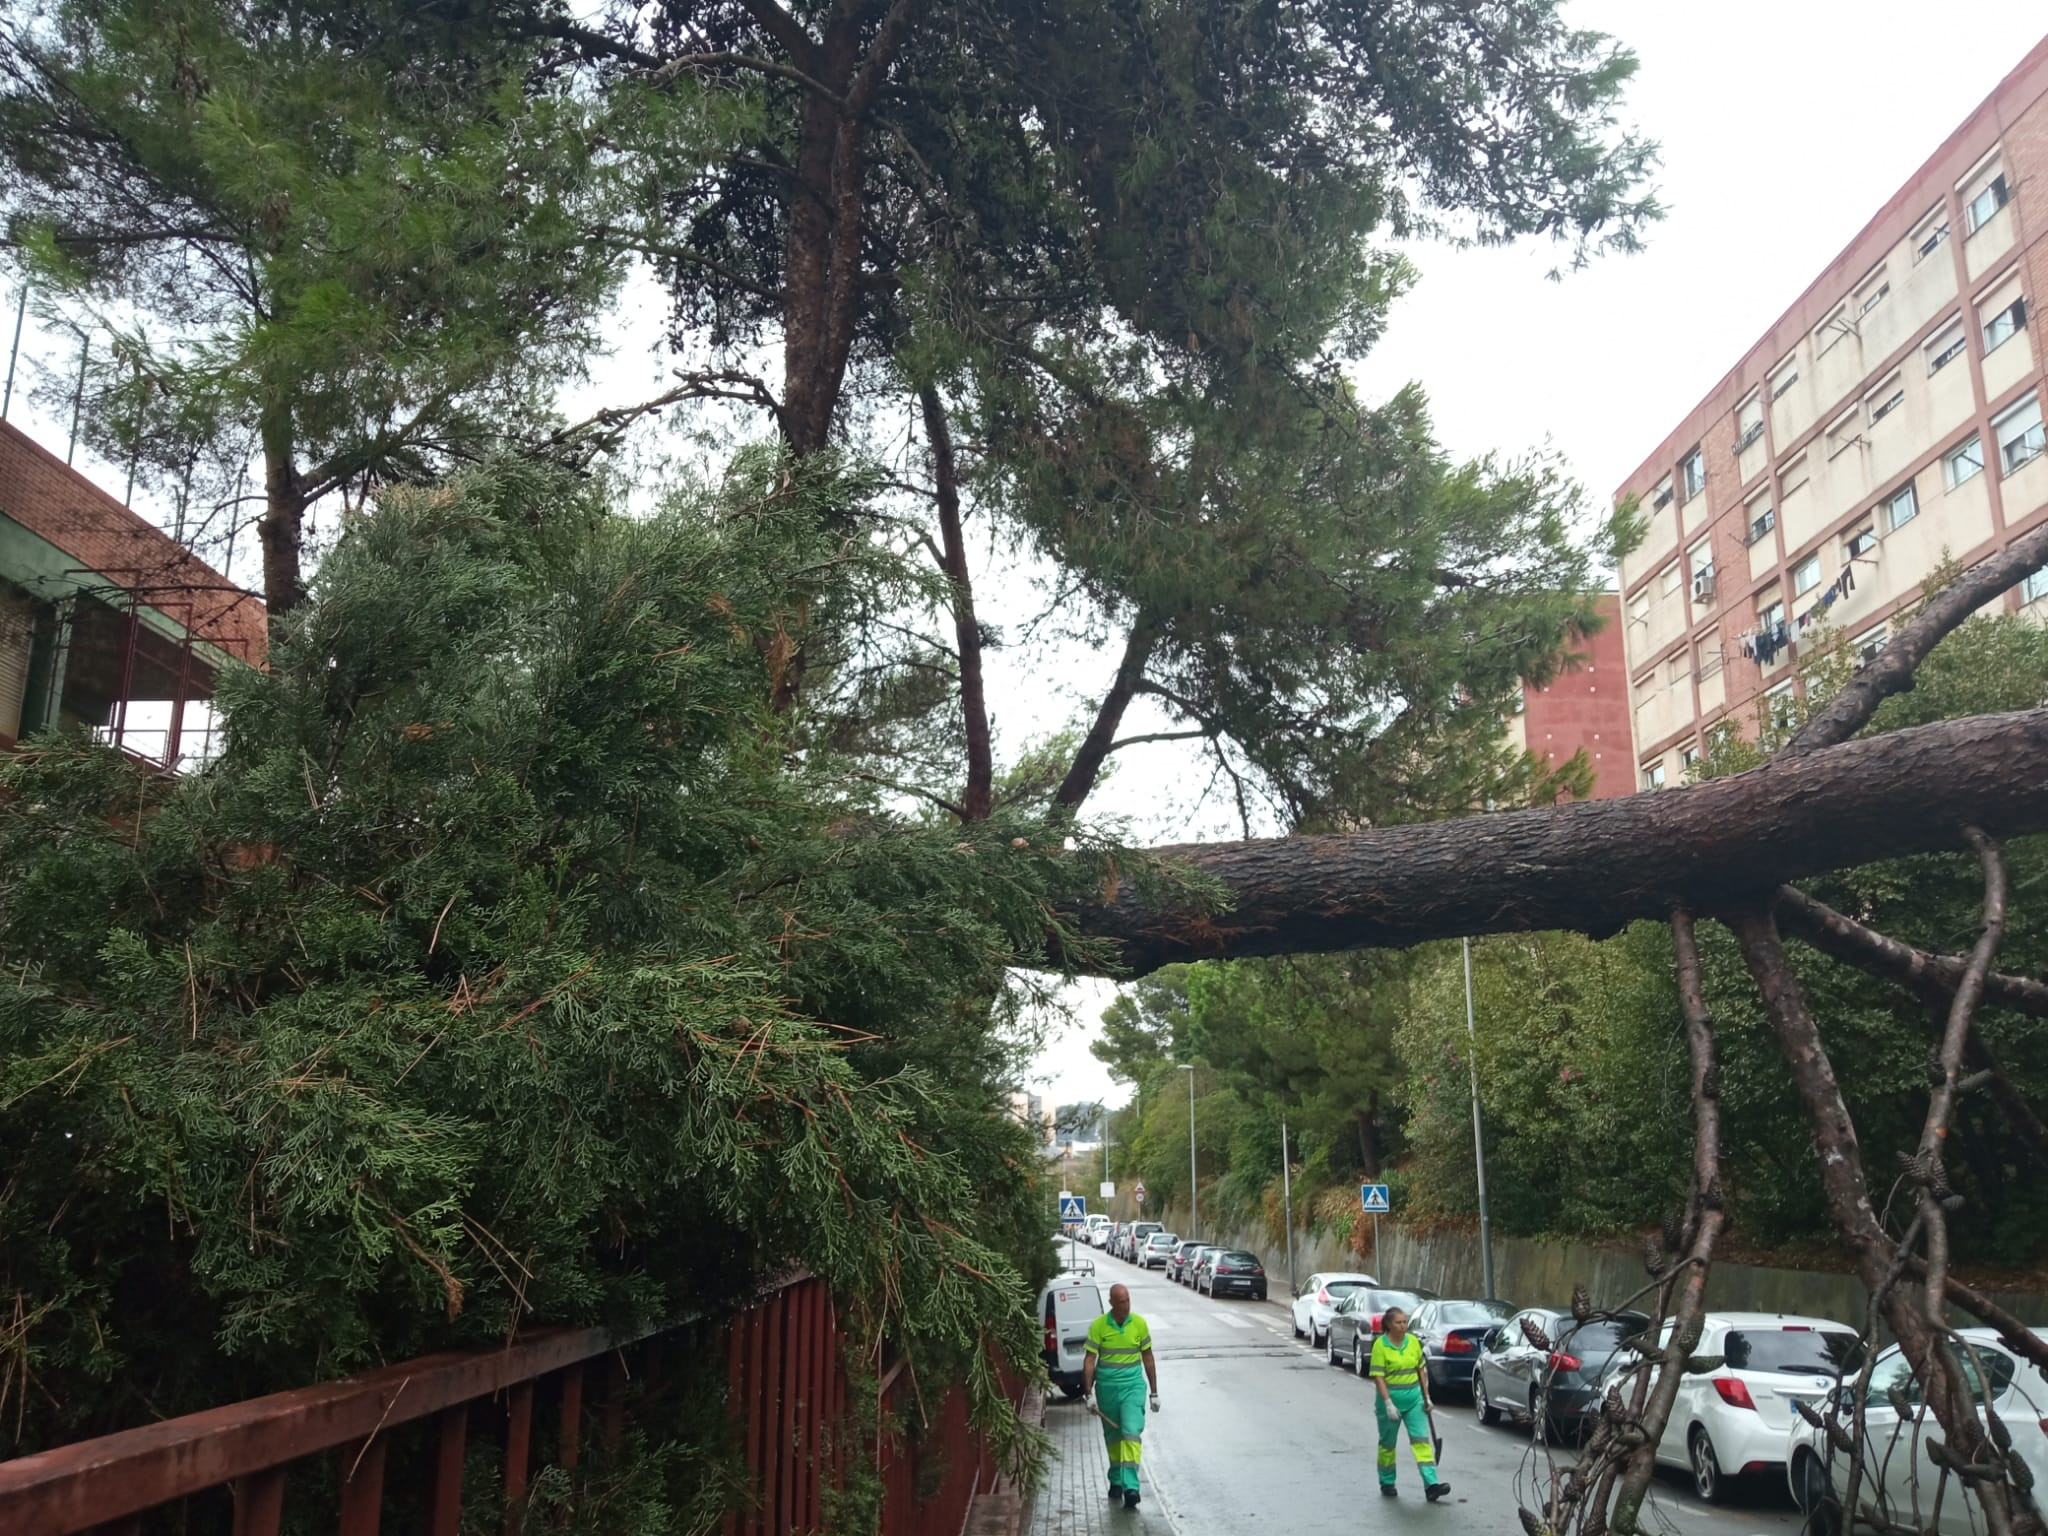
(1400, 1367)
(1119, 1348)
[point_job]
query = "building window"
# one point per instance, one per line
(1521, 700)
(1861, 542)
(1870, 298)
(1781, 707)
(1869, 645)
(1845, 430)
(1985, 205)
(1692, 473)
(1832, 330)
(1928, 237)
(1662, 499)
(1653, 776)
(2005, 325)
(2034, 587)
(1963, 463)
(1710, 660)
(1749, 423)
(1946, 347)
(1783, 380)
(1883, 403)
(1771, 616)
(2021, 436)
(1806, 575)
(1761, 522)
(1687, 756)
(1900, 508)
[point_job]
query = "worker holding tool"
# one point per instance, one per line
(1403, 1388)
(1117, 1368)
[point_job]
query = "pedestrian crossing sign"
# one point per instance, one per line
(1073, 1208)
(1372, 1199)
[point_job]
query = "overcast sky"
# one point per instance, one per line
(1785, 125)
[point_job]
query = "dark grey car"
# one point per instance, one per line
(1356, 1322)
(1512, 1374)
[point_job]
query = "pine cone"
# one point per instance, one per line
(1839, 1437)
(1653, 1258)
(2019, 1473)
(1808, 1412)
(1674, 1233)
(2000, 1435)
(1582, 1303)
(1532, 1525)
(1902, 1405)
(1533, 1332)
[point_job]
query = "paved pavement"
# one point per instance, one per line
(1256, 1431)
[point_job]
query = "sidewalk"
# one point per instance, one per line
(1074, 1500)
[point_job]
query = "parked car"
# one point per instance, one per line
(1191, 1263)
(1180, 1268)
(1157, 1250)
(1356, 1322)
(1897, 1449)
(1138, 1232)
(1067, 1307)
(1115, 1244)
(1734, 1421)
(1318, 1298)
(1512, 1374)
(1098, 1229)
(1231, 1272)
(1451, 1332)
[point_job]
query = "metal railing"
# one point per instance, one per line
(786, 1398)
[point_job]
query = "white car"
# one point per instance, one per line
(1158, 1249)
(1098, 1230)
(1896, 1456)
(1733, 1421)
(1317, 1300)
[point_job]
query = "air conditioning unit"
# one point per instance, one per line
(1703, 585)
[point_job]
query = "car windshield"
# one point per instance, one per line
(1343, 1287)
(1238, 1256)
(1161, 1240)
(1599, 1337)
(1472, 1314)
(1379, 1301)
(1893, 1369)
(1808, 1351)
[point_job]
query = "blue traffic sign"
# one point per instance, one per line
(1372, 1199)
(1073, 1208)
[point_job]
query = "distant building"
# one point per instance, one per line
(1585, 707)
(1077, 1125)
(1032, 1111)
(1892, 415)
(107, 623)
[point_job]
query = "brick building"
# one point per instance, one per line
(106, 623)
(1586, 707)
(1891, 417)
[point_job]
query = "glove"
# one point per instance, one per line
(1155, 1402)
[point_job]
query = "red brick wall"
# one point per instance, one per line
(1588, 707)
(46, 496)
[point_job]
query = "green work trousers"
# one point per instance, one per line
(1120, 1394)
(1407, 1411)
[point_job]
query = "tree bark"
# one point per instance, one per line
(282, 530)
(1933, 978)
(978, 798)
(1094, 749)
(1592, 866)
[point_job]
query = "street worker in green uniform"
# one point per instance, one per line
(1403, 1400)
(1118, 1369)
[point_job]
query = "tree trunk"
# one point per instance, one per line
(978, 798)
(1592, 866)
(1369, 1136)
(281, 531)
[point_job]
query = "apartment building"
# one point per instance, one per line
(1585, 708)
(1890, 418)
(108, 625)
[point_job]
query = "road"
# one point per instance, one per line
(1257, 1432)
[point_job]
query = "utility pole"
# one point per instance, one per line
(14, 353)
(1478, 1133)
(1194, 1190)
(78, 395)
(1287, 1203)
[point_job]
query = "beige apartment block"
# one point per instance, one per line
(1892, 417)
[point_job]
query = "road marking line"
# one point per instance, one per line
(1235, 1322)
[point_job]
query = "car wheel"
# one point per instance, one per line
(1707, 1479)
(1071, 1390)
(1481, 1403)
(1294, 1322)
(1330, 1348)
(1357, 1359)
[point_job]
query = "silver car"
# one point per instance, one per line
(1157, 1250)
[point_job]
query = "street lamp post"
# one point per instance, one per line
(1478, 1133)
(1194, 1192)
(1287, 1204)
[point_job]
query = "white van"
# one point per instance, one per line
(1098, 1230)
(1066, 1309)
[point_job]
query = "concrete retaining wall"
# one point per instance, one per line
(1539, 1272)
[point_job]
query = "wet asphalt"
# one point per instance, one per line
(1256, 1432)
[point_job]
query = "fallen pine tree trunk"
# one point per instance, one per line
(1594, 866)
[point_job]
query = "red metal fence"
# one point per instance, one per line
(230, 1469)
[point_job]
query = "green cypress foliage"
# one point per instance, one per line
(508, 967)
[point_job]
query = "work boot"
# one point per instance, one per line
(1389, 1491)
(1130, 1498)
(1116, 1490)
(1437, 1491)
